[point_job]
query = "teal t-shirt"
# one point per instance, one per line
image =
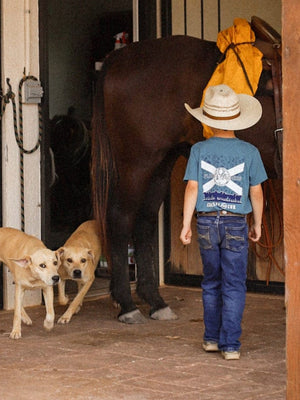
(225, 169)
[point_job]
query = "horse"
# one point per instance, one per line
(139, 129)
(70, 146)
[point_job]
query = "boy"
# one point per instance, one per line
(224, 177)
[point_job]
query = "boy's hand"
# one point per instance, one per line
(255, 233)
(186, 235)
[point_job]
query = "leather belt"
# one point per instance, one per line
(221, 213)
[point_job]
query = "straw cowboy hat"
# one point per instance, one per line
(224, 109)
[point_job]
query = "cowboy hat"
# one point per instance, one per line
(224, 109)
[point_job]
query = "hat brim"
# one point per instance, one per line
(250, 114)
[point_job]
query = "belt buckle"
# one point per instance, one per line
(223, 212)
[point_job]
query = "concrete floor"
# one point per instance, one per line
(96, 357)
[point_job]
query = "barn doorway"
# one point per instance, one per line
(75, 37)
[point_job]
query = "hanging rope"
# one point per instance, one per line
(18, 129)
(272, 232)
(5, 99)
(19, 135)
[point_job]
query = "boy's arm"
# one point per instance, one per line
(190, 199)
(257, 201)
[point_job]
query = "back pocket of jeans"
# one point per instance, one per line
(235, 238)
(204, 237)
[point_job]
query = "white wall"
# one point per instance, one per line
(20, 50)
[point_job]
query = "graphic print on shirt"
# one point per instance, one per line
(217, 182)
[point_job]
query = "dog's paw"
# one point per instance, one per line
(26, 320)
(64, 319)
(48, 324)
(63, 300)
(15, 334)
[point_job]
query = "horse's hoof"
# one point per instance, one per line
(164, 314)
(132, 317)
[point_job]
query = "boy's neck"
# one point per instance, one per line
(223, 133)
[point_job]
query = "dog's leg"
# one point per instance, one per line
(19, 294)
(25, 317)
(79, 287)
(62, 298)
(48, 297)
(66, 317)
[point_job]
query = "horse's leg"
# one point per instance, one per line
(118, 234)
(145, 234)
(147, 280)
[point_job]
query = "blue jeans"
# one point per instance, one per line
(223, 243)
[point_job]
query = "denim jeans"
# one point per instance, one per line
(223, 243)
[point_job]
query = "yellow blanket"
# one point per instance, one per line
(230, 71)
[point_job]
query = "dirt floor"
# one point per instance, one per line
(97, 357)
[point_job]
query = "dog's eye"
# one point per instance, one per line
(83, 260)
(43, 265)
(54, 262)
(69, 260)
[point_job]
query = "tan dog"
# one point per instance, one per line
(79, 258)
(33, 266)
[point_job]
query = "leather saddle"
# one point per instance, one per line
(268, 41)
(265, 32)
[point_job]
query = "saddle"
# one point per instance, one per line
(265, 32)
(268, 41)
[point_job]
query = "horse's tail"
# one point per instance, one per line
(102, 164)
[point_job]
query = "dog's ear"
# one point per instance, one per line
(22, 262)
(60, 252)
(91, 254)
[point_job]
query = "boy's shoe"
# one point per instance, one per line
(210, 346)
(231, 355)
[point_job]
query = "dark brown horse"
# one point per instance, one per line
(140, 127)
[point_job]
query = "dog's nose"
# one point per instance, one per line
(55, 278)
(77, 273)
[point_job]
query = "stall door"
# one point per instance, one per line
(183, 263)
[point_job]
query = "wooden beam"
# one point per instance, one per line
(291, 188)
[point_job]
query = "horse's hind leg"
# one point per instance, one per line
(145, 235)
(147, 279)
(120, 284)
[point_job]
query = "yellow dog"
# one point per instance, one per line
(79, 258)
(33, 266)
